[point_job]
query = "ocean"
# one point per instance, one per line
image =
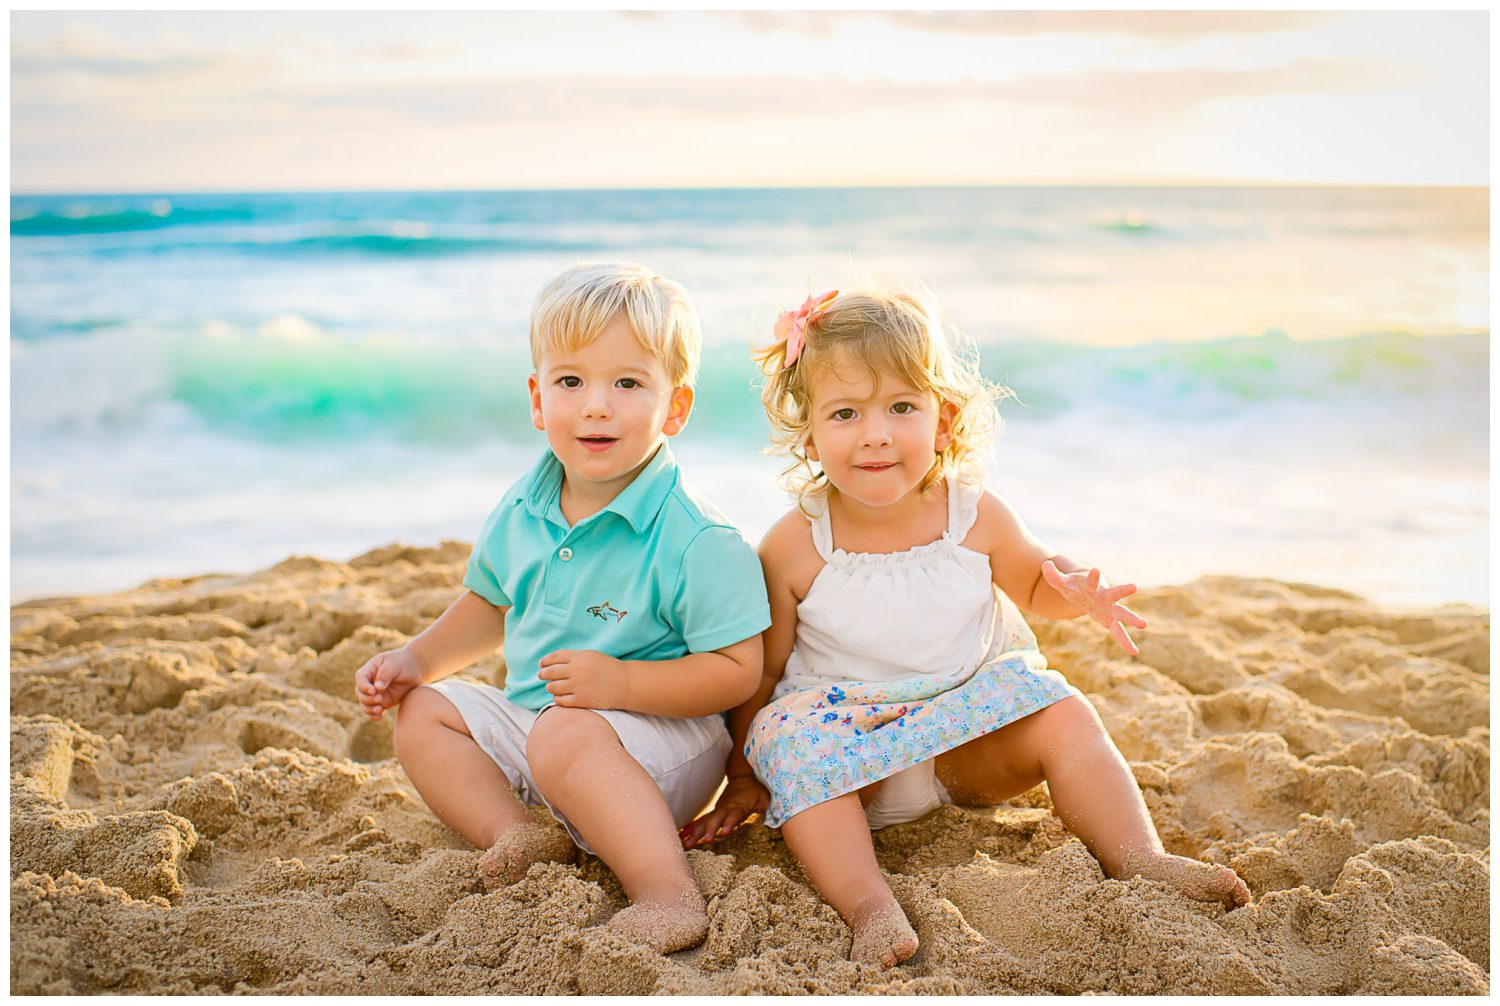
(1281, 382)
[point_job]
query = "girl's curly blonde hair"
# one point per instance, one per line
(895, 332)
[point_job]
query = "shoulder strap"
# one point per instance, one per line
(963, 507)
(822, 530)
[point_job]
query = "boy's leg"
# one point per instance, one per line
(1093, 791)
(469, 792)
(832, 842)
(585, 772)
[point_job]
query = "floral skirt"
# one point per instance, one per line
(813, 745)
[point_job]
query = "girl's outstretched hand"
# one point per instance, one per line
(1102, 605)
(743, 795)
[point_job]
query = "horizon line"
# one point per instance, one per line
(1116, 184)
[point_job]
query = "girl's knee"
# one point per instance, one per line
(1074, 714)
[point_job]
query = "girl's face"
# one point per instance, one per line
(876, 440)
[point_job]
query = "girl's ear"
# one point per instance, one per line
(810, 449)
(678, 410)
(534, 390)
(947, 416)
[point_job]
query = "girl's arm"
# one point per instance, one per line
(1044, 582)
(784, 554)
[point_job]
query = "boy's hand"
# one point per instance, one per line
(585, 679)
(383, 682)
(743, 795)
(1102, 605)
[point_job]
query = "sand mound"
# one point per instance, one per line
(197, 806)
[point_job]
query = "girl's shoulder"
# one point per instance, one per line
(995, 521)
(788, 553)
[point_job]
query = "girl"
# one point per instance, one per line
(898, 672)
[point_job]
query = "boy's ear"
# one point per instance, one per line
(947, 416)
(534, 390)
(678, 410)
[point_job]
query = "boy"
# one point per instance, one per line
(631, 613)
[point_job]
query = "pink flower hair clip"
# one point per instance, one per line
(791, 326)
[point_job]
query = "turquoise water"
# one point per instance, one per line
(1288, 382)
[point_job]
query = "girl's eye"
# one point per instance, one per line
(628, 383)
(903, 408)
(570, 381)
(843, 414)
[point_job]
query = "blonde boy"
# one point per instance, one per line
(630, 609)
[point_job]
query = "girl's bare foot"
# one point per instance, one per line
(675, 922)
(882, 935)
(1199, 881)
(514, 851)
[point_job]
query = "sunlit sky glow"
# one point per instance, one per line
(189, 102)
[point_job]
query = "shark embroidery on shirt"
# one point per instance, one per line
(604, 612)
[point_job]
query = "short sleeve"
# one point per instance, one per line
(482, 576)
(720, 598)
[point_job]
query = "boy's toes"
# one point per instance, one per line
(1239, 893)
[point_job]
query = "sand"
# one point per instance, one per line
(197, 805)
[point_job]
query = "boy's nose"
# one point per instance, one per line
(596, 406)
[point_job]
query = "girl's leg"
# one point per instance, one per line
(832, 842)
(468, 791)
(1093, 792)
(578, 762)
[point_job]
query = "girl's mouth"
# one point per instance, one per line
(876, 466)
(597, 443)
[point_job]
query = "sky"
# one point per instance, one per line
(174, 102)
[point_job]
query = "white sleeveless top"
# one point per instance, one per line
(930, 610)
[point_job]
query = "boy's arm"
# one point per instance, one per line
(470, 630)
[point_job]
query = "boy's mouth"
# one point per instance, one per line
(597, 443)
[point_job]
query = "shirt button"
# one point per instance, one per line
(565, 554)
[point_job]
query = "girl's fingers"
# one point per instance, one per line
(1123, 638)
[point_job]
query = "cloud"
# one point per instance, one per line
(1164, 25)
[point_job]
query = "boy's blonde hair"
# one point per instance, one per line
(579, 303)
(887, 331)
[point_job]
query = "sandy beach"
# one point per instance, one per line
(197, 805)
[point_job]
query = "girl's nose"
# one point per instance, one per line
(877, 433)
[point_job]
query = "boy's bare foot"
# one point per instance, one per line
(513, 853)
(1199, 881)
(674, 923)
(882, 935)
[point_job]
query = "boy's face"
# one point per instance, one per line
(605, 407)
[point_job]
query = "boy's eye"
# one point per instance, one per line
(570, 381)
(628, 383)
(843, 414)
(902, 408)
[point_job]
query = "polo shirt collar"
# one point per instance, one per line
(638, 503)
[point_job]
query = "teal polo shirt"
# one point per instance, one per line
(657, 574)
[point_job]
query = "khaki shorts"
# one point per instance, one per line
(684, 757)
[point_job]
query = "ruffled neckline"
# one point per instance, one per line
(916, 554)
